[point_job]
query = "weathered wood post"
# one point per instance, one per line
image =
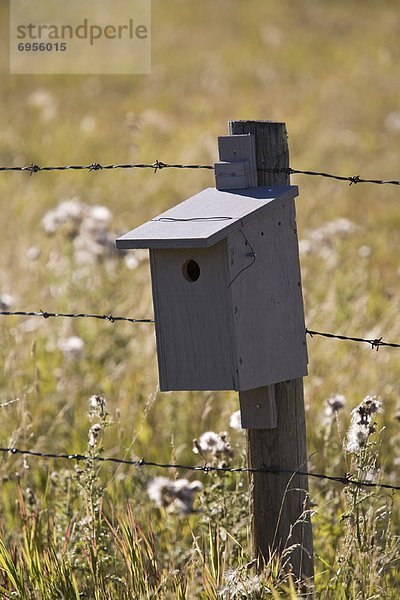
(278, 501)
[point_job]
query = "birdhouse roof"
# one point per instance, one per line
(206, 218)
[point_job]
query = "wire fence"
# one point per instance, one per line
(375, 343)
(346, 479)
(158, 165)
(48, 315)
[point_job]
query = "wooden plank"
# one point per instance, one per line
(279, 501)
(206, 218)
(265, 290)
(231, 175)
(240, 147)
(255, 414)
(192, 319)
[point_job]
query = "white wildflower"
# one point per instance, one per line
(67, 214)
(72, 347)
(235, 421)
(305, 246)
(340, 227)
(176, 496)
(134, 258)
(99, 214)
(88, 250)
(362, 425)
(239, 584)
(337, 228)
(33, 253)
(6, 301)
(334, 404)
(94, 239)
(94, 433)
(97, 406)
(214, 447)
(329, 255)
(372, 475)
(88, 227)
(357, 437)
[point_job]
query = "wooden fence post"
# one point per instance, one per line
(279, 502)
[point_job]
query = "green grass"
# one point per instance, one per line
(329, 70)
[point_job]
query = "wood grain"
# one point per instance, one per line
(193, 329)
(269, 330)
(255, 414)
(279, 502)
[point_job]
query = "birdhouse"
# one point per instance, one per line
(226, 286)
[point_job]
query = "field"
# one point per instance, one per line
(90, 530)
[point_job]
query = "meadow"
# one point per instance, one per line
(90, 530)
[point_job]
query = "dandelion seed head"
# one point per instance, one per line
(357, 437)
(239, 584)
(362, 426)
(68, 214)
(214, 447)
(97, 406)
(334, 404)
(176, 496)
(94, 433)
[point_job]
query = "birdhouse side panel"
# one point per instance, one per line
(265, 287)
(193, 329)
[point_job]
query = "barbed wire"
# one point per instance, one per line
(346, 479)
(5, 404)
(158, 165)
(47, 315)
(375, 343)
(352, 179)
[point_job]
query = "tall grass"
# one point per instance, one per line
(93, 532)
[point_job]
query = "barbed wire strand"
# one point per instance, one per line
(375, 343)
(352, 179)
(345, 479)
(158, 165)
(5, 404)
(47, 315)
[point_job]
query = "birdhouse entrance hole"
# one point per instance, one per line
(191, 270)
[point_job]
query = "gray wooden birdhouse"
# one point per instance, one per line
(226, 286)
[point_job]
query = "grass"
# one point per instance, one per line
(329, 70)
